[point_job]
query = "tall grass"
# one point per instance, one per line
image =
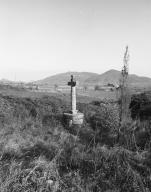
(39, 153)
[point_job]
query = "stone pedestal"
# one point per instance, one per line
(74, 119)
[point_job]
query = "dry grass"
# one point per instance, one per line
(38, 153)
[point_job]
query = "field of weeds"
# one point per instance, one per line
(39, 153)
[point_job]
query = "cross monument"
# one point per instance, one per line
(73, 117)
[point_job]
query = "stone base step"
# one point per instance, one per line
(74, 119)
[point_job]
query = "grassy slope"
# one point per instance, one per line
(38, 148)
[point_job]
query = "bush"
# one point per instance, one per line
(140, 106)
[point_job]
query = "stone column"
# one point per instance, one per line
(73, 100)
(72, 83)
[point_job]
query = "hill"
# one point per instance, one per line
(113, 76)
(63, 78)
(92, 79)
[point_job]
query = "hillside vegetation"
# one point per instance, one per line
(40, 153)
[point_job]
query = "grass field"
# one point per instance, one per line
(82, 96)
(40, 153)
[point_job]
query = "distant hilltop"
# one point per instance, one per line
(63, 78)
(92, 79)
(84, 79)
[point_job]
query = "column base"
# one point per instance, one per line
(74, 119)
(74, 112)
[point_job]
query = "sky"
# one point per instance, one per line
(40, 38)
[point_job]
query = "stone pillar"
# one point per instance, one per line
(73, 100)
(72, 83)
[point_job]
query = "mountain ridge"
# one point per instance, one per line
(63, 78)
(92, 79)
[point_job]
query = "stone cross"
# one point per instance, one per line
(72, 83)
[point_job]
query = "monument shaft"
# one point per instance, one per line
(73, 100)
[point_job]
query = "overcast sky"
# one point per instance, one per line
(39, 38)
